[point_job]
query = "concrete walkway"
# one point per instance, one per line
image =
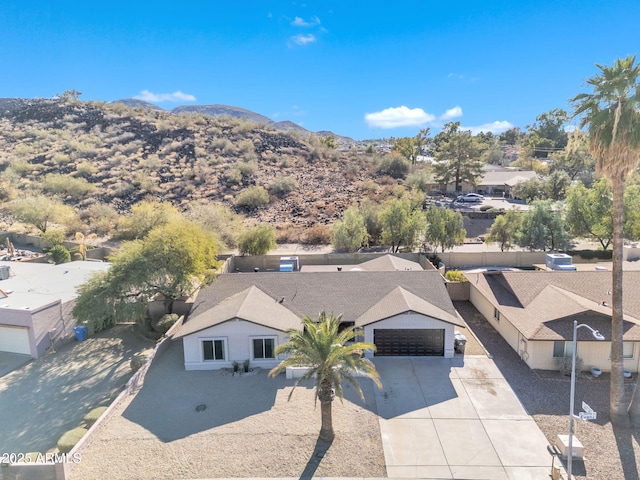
(455, 419)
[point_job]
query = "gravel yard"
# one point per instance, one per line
(610, 452)
(247, 429)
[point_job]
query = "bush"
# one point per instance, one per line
(455, 276)
(564, 365)
(484, 208)
(76, 188)
(70, 438)
(317, 235)
(53, 237)
(283, 186)
(164, 323)
(137, 361)
(257, 240)
(91, 417)
(59, 254)
(395, 166)
(252, 197)
(591, 254)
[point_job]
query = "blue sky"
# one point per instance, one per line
(365, 69)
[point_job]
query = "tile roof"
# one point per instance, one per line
(252, 305)
(400, 301)
(350, 294)
(543, 305)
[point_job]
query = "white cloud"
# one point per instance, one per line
(303, 39)
(176, 96)
(395, 117)
(494, 127)
(454, 112)
(300, 22)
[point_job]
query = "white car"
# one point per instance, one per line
(469, 198)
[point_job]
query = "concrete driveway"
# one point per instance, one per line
(42, 399)
(455, 419)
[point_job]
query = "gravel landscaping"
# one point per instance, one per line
(208, 424)
(610, 452)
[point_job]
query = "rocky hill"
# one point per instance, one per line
(95, 155)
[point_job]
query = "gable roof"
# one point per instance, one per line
(510, 178)
(349, 294)
(400, 301)
(389, 263)
(543, 305)
(252, 305)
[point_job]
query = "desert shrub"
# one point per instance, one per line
(91, 417)
(101, 218)
(164, 323)
(59, 254)
(247, 168)
(395, 166)
(257, 240)
(137, 361)
(283, 186)
(252, 197)
(145, 216)
(53, 237)
(317, 235)
(564, 364)
(65, 185)
(233, 176)
(287, 234)
(85, 169)
(419, 180)
(70, 438)
(455, 276)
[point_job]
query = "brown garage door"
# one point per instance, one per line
(409, 342)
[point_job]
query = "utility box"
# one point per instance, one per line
(289, 264)
(5, 272)
(560, 261)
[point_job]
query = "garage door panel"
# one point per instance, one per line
(14, 340)
(409, 342)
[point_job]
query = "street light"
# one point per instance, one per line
(598, 336)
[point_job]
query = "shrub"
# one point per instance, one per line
(91, 417)
(455, 276)
(252, 197)
(564, 364)
(70, 438)
(76, 188)
(137, 361)
(317, 235)
(59, 254)
(283, 186)
(164, 323)
(419, 180)
(257, 240)
(53, 237)
(395, 166)
(484, 208)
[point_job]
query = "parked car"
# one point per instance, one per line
(469, 197)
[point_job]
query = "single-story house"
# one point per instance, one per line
(245, 316)
(534, 313)
(384, 263)
(36, 300)
(503, 181)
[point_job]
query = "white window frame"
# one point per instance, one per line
(630, 346)
(225, 352)
(263, 338)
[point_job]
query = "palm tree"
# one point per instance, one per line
(323, 348)
(612, 114)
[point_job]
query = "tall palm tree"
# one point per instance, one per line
(324, 349)
(612, 114)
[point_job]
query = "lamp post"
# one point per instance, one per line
(598, 336)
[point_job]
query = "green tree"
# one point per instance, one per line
(445, 228)
(632, 212)
(611, 112)
(457, 156)
(350, 233)
(173, 260)
(412, 147)
(145, 216)
(258, 240)
(371, 214)
(59, 254)
(575, 159)
(543, 227)
(400, 223)
(324, 348)
(589, 211)
(218, 219)
(547, 133)
(40, 211)
(505, 230)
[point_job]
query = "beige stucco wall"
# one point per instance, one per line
(592, 354)
(412, 320)
(238, 335)
(508, 331)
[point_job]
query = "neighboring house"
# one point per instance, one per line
(36, 301)
(245, 316)
(534, 312)
(384, 263)
(503, 181)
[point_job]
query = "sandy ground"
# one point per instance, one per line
(44, 398)
(248, 429)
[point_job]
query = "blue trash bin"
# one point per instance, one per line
(81, 332)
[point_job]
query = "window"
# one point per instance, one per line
(213, 349)
(496, 314)
(264, 348)
(627, 349)
(562, 349)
